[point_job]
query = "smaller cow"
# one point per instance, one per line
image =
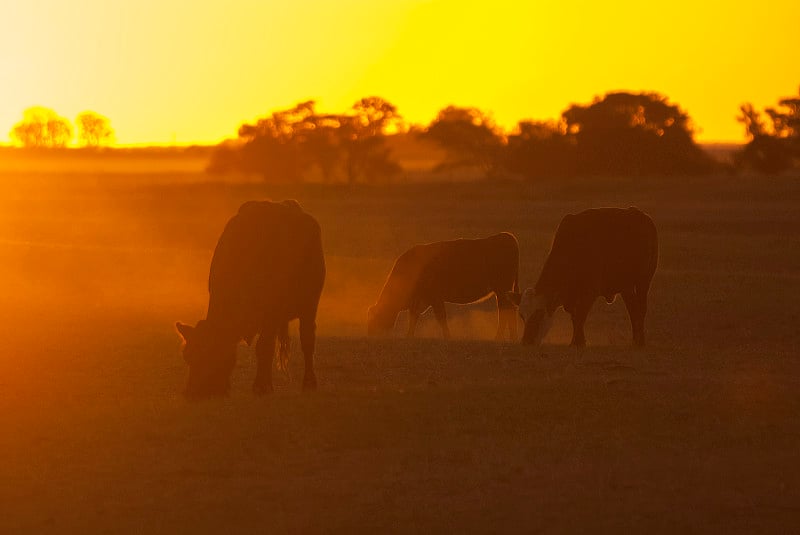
(597, 252)
(458, 271)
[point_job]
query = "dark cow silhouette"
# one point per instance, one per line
(457, 271)
(597, 252)
(268, 269)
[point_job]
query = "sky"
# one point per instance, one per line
(192, 71)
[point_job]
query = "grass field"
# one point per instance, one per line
(698, 432)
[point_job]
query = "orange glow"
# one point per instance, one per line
(192, 71)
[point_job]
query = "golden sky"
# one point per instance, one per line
(191, 71)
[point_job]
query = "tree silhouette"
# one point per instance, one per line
(271, 146)
(540, 149)
(772, 148)
(469, 136)
(634, 134)
(751, 118)
(362, 138)
(94, 129)
(42, 128)
(289, 143)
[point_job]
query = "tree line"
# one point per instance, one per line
(43, 128)
(620, 134)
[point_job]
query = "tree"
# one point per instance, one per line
(540, 149)
(469, 136)
(774, 147)
(289, 143)
(362, 138)
(94, 130)
(634, 134)
(42, 128)
(272, 146)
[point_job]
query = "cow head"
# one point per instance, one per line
(535, 313)
(379, 321)
(211, 357)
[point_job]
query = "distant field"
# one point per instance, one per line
(699, 432)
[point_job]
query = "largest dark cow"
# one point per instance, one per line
(597, 252)
(457, 271)
(268, 269)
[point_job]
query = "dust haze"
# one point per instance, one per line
(99, 265)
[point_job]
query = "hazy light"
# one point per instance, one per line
(192, 71)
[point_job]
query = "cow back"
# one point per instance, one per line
(457, 271)
(603, 251)
(268, 261)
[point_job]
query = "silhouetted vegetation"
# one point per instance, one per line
(42, 128)
(470, 138)
(94, 130)
(541, 149)
(622, 134)
(291, 144)
(774, 146)
(618, 134)
(634, 134)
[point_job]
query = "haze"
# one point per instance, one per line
(191, 72)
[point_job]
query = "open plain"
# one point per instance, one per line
(697, 432)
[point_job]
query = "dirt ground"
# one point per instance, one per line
(698, 432)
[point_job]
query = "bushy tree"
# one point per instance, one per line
(540, 149)
(773, 146)
(42, 128)
(469, 136)
(634, 134)
(271, 146)
(288, 143)
(94, 130)
(362, 138)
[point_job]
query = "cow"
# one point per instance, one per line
(457, 271)
(597, 252)
(268, 268)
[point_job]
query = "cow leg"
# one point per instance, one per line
(506, 316)
(441, 316)
(502, 318)
(512, 324)
(579, 314)
(416, 309)
(636, 302)
(308, 336)
(631, 303)
(413, 318)
(265, 352)
(641, 299)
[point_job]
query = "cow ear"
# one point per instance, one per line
(184, 330)
(514, 297)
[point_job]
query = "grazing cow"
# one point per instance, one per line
(268, 269)
(597, 252)
(457, 271)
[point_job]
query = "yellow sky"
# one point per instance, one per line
(190, 71)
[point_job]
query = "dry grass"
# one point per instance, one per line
(698, 432)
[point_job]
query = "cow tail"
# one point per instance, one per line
(284, 348)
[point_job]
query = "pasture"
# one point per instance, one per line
(697, 432)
